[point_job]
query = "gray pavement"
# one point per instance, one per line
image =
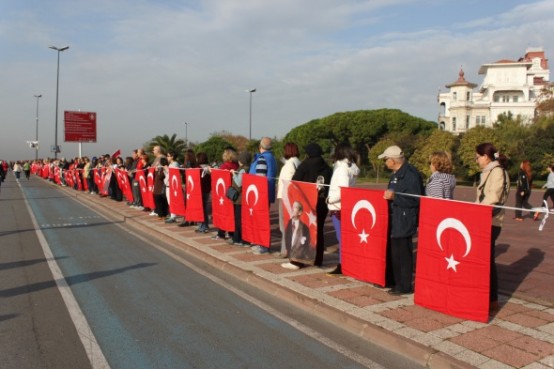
(520, 335)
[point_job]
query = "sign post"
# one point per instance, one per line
(80, 126)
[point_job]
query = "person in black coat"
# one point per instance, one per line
(314, 169)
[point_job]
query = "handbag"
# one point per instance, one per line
(232, 193)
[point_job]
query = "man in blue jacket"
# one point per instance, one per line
(265, 165)
(403, 218)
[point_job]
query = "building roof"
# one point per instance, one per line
(461, 81)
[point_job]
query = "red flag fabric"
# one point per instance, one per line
(195, 210)
(57, 175)
(364, 224)
(145, 191)
(222, 208)
(79, 178)
(453, 258)
(300, 219)
(116, 154)
(98, 173)
(85, 182)
(106, 178)
(255, 210)
(176, 199)
(45, 171)
(124, 184)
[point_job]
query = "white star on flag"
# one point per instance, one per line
(221, 201)
(451, 263)
(188, 196)
(251, 211)
(363, 236)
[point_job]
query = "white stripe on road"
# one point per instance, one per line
(94, 353)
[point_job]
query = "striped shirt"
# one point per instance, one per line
(441, 185)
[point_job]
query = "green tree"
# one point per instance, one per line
(468, 143)
(167, 143)
(437, 141)
(374, 151)
(214, 148)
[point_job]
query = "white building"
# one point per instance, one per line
(508, 86)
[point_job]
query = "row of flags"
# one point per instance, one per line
(453, 247)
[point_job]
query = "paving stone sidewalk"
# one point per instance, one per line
(520, 335)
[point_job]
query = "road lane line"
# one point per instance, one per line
(365, 361)
(94, 353)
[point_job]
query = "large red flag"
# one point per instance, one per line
(364, 223)
(255, 210)
(98, 177)
(453, 258)
(176, 199)
(124, 184)
(145, 192)
(300, 219)
(193, 187)
(222, 208)
(106, 178)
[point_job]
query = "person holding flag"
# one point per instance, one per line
(403, 219)
(345, 172)
(493, 189)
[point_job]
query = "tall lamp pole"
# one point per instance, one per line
(186, 135)
(58, 49)
(250, 124)
(36, 129)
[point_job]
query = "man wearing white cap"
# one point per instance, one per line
(403, 219)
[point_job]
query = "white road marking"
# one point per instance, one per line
(94, 353)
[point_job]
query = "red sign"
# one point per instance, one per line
(80, 126)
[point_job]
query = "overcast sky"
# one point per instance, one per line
(147, 67)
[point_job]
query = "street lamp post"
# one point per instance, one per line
(58, 49)
(250, 124)
(36, 128)
(186, 135)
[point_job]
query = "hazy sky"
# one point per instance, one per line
(146, 67)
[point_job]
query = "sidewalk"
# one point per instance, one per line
(520, 335)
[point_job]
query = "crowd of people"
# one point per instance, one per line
(493, 189)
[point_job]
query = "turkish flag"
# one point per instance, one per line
(97, 177)
(124, 184)
(193, 187)
(222, 208)
(453, 258)
(255, 210)
(364, 224)
(57, 175)
(176, 199)
(45, 171)
(78, 177)
(145, 191)
(85, 183)
(106, 178)
(116, 154)
(300, 219)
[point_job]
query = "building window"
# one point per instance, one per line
(496, 98)
(477, 120)
(453, 124)
(505, 99)
(467, 122)
(515, 99)
(454, 96)
(483, 120)
(468, 96)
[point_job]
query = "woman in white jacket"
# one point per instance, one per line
(345, 172)
(291, 162)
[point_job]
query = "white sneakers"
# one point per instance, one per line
(290, 266)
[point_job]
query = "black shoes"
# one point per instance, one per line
(335, 272)
(396, 292)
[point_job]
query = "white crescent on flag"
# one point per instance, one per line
(460, 227)
(174, 184)
(221, 182)
(363, 204)
(142, 181)
(151, 175)
(191, 182)
(252, 188)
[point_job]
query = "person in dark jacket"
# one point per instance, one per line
(315, 169)
(524, 183)
(403, 219)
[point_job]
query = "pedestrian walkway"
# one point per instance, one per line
(519, 335)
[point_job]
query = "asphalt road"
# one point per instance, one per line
(78, 290)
